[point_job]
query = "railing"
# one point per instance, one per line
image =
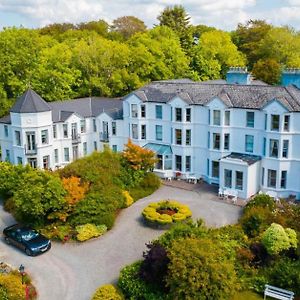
(104, 137)
(32, 150)
(76, 138)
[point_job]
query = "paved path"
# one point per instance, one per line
(73, 271)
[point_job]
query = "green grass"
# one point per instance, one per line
(247, 296)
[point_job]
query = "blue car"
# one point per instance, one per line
(26, 239)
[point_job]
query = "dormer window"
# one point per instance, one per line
(227, 118)
(217, 117)
(275, 122)
(286, 125)
(178, 114)
(143, 111)
(158, 111)
(134, 111)
(188, 114)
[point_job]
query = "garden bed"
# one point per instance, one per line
(164, 213)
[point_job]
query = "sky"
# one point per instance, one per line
(223, 14)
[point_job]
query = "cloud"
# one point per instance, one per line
(43, 12)
(222, 14)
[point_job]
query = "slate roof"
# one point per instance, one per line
(30, 102)
(247, 158)
(86, 107)
(5, 119)
(233, 95)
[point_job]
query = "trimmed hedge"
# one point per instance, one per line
(154, 212)
(108, 292)
(88, 231)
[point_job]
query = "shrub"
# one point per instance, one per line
(166, 212)
(148, 184)
(285, 273)
(12, 284)
(108, 292)
(39, 194)
(88, 231)
(261, 200)
(138, 158)
(128, 198)
(183, 230)
(133, 287)
(255, 220)
(199, 269)
(57, 231)
(76, 190)
(276, 239)
(155, 264)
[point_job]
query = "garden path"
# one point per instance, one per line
(73, 271)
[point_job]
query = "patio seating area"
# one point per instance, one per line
(203, 187)
(228, 194)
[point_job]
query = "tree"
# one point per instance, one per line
(283, 45)
(155, 265)
(157, 55)
(268, 70)
(100, 26)
(200, 269)
(55, 78)
(215, 51)
(99, 59)
(276, 239)
(176, 18)
(128, 26)
(247, 37)
(75, 189)
(19, 53)
(56, 29)
(39, 193)
(138, 158)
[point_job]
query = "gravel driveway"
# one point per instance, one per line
(73, 271)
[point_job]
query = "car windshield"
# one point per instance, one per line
(29, 235)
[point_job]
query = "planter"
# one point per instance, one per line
(165, 213)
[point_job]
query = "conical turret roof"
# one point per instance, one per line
(30, 102)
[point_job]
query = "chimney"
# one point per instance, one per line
(291, 76)
(238, 75)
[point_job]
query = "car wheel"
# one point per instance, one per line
(7, 240)
(28, 252)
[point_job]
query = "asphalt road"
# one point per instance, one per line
(73, 271)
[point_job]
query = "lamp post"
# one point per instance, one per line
(22, 272)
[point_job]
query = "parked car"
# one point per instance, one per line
(27, 239)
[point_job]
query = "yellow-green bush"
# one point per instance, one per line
(108, 292)
(88, 231)
(12, 284)
(164, 219)
(128, 198)
(178, 217)
(152, 212)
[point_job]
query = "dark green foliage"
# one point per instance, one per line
(255, 220)
(268, 70)
(200, 269)
(96, 208)
(183, 230)
(146, 186)
(154, 267)
(261, 200)
(285, 273)
(135, 288)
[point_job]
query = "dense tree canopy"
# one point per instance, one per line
(64, 61)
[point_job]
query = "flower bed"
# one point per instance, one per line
(166, 212)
